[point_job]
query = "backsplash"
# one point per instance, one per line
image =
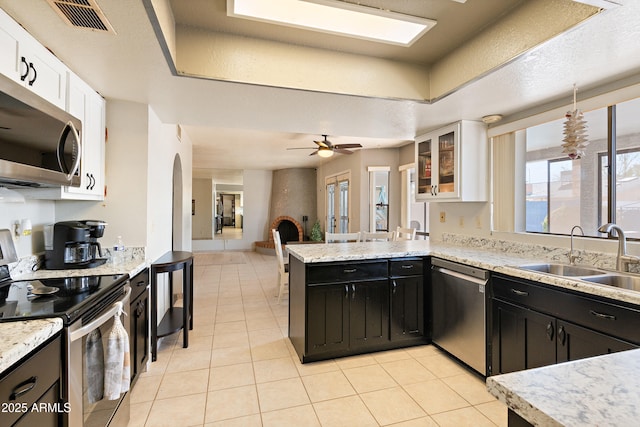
(601, 260)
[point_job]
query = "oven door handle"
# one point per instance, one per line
(105, 317)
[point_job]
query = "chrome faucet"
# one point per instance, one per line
(572, 257)
(623, 260)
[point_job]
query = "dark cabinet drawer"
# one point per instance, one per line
(602, 316)
(529, 295)
(610, 319)
(139, 283)
(29, 381)
(406, 267)
(346, 272)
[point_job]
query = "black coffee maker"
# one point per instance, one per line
(73, 244)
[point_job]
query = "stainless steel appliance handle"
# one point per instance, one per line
(105, 317)
(461, 276)
(69, 127)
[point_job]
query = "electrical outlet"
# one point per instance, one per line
(443, 217)
(461, 222)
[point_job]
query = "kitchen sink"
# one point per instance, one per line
(562, 269)
(617, 280)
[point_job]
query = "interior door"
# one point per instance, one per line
(338, 202)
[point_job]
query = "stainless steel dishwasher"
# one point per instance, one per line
(459, 311)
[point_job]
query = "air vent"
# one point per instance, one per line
(82, 14)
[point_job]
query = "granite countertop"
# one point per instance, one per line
(134, 263)
(485, 258)
(17, 339)
(599, 391)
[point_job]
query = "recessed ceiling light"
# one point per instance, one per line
(335, 17)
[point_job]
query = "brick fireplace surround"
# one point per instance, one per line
(274, 225)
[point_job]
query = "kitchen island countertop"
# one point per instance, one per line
(488, 259)
(598, 391)
(17, 339)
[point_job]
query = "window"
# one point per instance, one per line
(561, 193)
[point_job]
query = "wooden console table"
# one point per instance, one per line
(176, 318)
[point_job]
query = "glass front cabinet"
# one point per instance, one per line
(452, 163)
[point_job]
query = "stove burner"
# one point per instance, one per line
(73, 285)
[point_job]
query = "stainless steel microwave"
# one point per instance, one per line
(39, 143)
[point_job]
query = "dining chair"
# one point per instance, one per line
(283, 274)
(341, 237)
(405, 233)
(378, 236)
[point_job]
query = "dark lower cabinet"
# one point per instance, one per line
(535, 326)
(345, 308)
(522, 338)
(407, 307)
(576, 342)
(30, 390)
(328, 318)
(369, 313)
(139, 335)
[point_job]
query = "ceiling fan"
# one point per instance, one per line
(326, 148)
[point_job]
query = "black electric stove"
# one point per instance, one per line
(74, 297)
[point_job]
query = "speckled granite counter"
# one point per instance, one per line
(134, 263)
(598, 391)
(17, 339)
(488, 259)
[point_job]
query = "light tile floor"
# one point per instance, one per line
(241, 370)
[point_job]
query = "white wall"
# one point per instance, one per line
(125, 205)
(202, 221)
(40, 212)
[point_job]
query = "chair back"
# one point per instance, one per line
(405, 233)
(278, 246)
(378, 236)
(341, 237)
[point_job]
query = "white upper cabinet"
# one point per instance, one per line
(28, 63)
(452, 163)
(88, 106)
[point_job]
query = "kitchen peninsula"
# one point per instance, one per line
(592, 391)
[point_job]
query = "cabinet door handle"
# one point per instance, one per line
(35, 74)
(435, 190)
(88, 187)
(550, 331)
(23, 61)
(353, 291)
(23, 388)
(349, 270)
(519, 293)
(141, 283)
(562, 335)
(407, 266)
(346, 291)
(602, 315)
(395, 285)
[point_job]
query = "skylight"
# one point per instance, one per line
(335, 17)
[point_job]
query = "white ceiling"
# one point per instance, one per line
(243, 126)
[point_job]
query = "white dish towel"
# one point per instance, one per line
(94, 366)
(117, 373)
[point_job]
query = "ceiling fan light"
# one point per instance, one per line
(325, 152)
